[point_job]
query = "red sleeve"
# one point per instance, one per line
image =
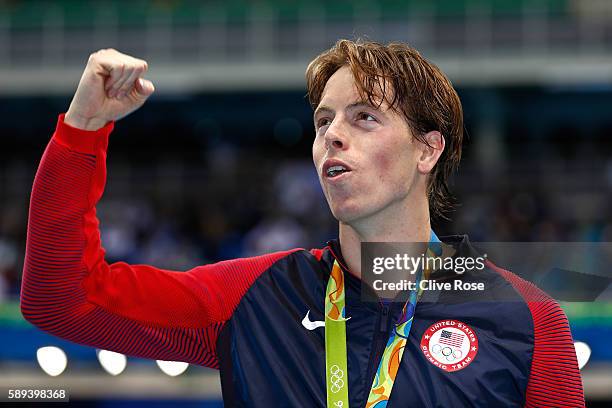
(555, 378)
(69, 290)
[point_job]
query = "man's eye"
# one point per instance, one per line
(323, 122)
(366, 116)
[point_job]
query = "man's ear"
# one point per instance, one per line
(430, 154)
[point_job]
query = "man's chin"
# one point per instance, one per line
(347, 215)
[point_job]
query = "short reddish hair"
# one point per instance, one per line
(412, 86)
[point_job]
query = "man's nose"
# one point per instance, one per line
(336, 135)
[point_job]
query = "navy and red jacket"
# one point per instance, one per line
(244, 316)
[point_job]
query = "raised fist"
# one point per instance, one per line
(110, 88)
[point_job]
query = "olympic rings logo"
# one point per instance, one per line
(449, 353)
(337, 383)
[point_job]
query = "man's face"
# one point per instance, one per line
(366, 157)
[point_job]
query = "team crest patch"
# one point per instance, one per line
(450, 345)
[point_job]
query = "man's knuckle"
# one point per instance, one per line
(94, 55)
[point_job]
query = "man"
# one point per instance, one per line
(388, 134)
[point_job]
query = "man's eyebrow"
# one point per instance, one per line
(353, 105)
(362, 104)
(322, 108)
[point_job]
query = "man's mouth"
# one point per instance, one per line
(334, 171)
(333, 168)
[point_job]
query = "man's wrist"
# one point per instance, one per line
(80, 139)
(90, 124)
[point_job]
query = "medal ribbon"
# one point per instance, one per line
(335, 339)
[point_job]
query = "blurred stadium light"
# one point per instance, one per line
(113, 363)
(52, 360)
(583, 353)
(172, 368)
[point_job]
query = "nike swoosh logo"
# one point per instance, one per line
(311, 325)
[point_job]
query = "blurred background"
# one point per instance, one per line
(217, 164)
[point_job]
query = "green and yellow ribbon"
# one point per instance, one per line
(335, 340)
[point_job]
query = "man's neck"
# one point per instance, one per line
(392, 225)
